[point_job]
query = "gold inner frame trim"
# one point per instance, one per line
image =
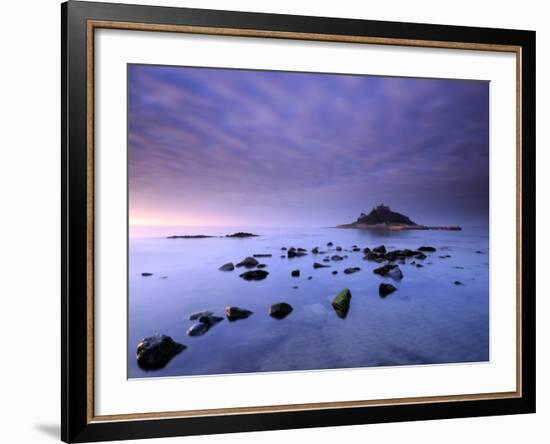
(97, 24)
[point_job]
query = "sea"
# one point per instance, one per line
(428, 320)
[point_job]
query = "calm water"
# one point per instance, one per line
(428, 320)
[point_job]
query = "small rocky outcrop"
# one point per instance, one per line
(386, 289)
(227, 267)
(235, 313)
(249, 262)
(154, 352)
(295, 273)
(315, 250)
(427, 249)
(189, 236)
(254, 275)
(352, 270)
(280, 310)
(241, 234)
(341, 303)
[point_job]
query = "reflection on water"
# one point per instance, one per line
(428, 320)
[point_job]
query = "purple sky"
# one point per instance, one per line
(234, 147)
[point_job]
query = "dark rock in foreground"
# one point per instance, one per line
(427, 249)
(392, 271)
(280, 310)
(200, 314)
(254, 275)
(227, 267)
(318, 265)
(249, 262)
(235, 313)
(189, 236)
(341, 303)
(352, 270)
(146, 274)
(154, 352)
(242, 234)
(386, 289)
(295, 273)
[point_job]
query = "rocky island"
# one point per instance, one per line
(382, 217)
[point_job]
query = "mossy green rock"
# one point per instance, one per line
(341, 303)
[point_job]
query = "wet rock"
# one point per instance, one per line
(260, 266)
(262, 255)
(295, 273)
(283, 248)
(338, 248)
(372, 256)
(197, 329)
(154, 352)
(427, 249)
(146, 274)
(356, 249)
(227, 267)
(389, 270)
(309, 278)
(329, 244)
(337, 258)
(249, 262)
(254, 275)
(334, 272)
(386, 289)
(458, 283)
(235, 313)
(242, 234)
(341, 303)
(379, 249)
(318, 265)
(352, 270)
(327, 259)
(315, 250)
(280, 310)
(292, 252)
(420, 256)
(200, 314)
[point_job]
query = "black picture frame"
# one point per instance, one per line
(76, 423)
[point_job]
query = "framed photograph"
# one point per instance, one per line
(275, 221)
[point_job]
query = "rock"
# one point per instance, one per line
(318, 265)
(379, 249)
(366, 250)
(295, 273)
(262, 255)
(146, 274)
(315, 250)
(154, 352)
(386, 289)
(479, 252)
(280, 310)
(210, 320)
(241, 234)
(334, 272)
(197, 329)
(295, 253)
(427, 249)
(337, 258)
(302, 250)
(309, 278)
(249, 262)
(392, 271)
(356, 249)
(341, 303)
(227, 267)
(235, 313)
(372, 256)
(295, 287)
(283, 248)
(420, 256)
(327, 259)
(329, 244)
(419, 266)
(338, 248)
(254, 275)
(261, 266)
(351, 270)
(413, 263)
(459, 267)
(283, 256)
(200, 314)
(458, 283)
